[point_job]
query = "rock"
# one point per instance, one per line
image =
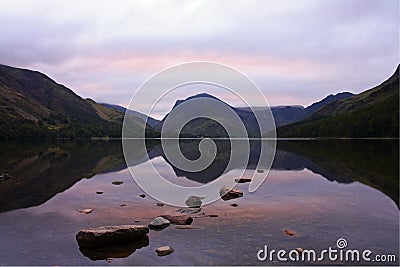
(117, 182)
(289, 232)
(107, 235)
(122, 205)
(213, 215)
(164, 251)
(186, 227)
(243, 180)
(189, 211)
(142, 195)
(194, 202)
(234, 205)
(86, 211)
(113, 251)
(228, 193)
(178, 219)
(136, 221)
(160, 204)
(299, 250)
(159, 223)
(260, 171)
(5, 176)
(99, 192)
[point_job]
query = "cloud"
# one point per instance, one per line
(296, 51)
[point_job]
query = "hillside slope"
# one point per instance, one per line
(34, 106)
(372, 113)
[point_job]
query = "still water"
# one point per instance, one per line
(320, 190)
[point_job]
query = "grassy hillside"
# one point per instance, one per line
(373, 113)
(34, 106)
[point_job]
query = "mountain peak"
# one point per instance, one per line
(180, 101)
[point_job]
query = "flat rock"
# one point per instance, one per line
(189, 211)
(228, 193)
(86, 211)
(117, 182)
(181, 220)
(242, 180)
(164, 251)
(159, 223)
(194, 202)
(107, 235)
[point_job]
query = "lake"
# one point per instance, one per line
(317, 192)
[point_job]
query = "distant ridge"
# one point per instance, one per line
(372, 113)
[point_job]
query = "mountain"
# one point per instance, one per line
(372, 113)
(150, 121)
(32, 105)
(205, 127)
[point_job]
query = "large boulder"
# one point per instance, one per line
(108, 235)
(159, 223)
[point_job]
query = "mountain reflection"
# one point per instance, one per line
(33, 172)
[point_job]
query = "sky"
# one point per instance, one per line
(297, 52)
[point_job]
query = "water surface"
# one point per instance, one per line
(321, 190)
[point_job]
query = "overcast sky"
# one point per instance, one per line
(297, 52)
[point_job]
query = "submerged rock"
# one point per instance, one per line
(185, 227)
(107, 235)
(260, 171)
(234, 205)
(178, 219)
(189, 211)
(289, 232)
(109, 252)
(142, 195)
(242, 180)
(86, 211)
(117, 182)
(228, 193)
(164, 251)
(159, 223)
(194, 202)
(99, 192)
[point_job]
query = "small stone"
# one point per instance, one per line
(164, 251)
(243, 180)
(178, 219)
(160, 204)
(86, 211)
(159, 223)
(194, 202)
(117, 182)
(299, 250)
(99, 192)
(228, 193)
(136, 221)
(142, 195)
(123, 205)
(260, 171)
(213, 215)
(289, 232)
(234, 205)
